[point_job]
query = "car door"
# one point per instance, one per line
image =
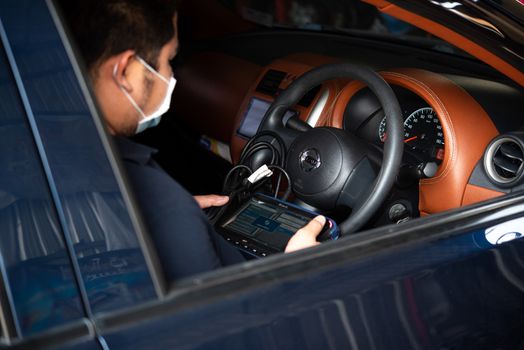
(71, 244)
(453, 282)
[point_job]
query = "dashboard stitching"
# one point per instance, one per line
(451, 142)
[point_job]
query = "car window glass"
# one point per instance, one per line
(93, 210)
(40, 282)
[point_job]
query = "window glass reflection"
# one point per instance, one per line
(505, 232)
(96, 219)
(41, 283)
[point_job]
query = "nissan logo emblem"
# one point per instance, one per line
(310, 160)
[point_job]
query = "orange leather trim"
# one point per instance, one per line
(474, 194)
(467, 131)
(377, 3)
(336, 119)
(452, 37)
(295, 65)
(218, 88)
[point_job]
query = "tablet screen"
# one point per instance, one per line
(267, 222)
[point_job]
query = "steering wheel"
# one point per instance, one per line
(332, 168)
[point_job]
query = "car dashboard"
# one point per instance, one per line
(450, 115)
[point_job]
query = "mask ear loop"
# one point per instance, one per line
(152, 70)
(135, 105)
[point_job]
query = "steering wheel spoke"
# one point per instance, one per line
(358, 185)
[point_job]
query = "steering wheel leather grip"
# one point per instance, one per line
(346, 158)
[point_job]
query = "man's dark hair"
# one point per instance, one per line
(103, 28)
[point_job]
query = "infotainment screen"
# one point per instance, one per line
(255, 113)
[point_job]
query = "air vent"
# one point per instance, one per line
(270, 82)
(504, 160)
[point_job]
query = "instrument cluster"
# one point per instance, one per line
(423, 133)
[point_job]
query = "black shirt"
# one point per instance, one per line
(185, 240)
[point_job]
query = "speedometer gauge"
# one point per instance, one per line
(423, 133)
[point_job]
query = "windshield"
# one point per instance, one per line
(342, 16)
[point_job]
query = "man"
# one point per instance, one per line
(127, 46)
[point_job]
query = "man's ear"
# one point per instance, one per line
(121, 71)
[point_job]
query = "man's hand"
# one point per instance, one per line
(211, 200)
(307, 236)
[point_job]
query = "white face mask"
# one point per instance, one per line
(149, 121)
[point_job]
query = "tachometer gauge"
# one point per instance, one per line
(423, 133)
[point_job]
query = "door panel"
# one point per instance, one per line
(449, 290)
